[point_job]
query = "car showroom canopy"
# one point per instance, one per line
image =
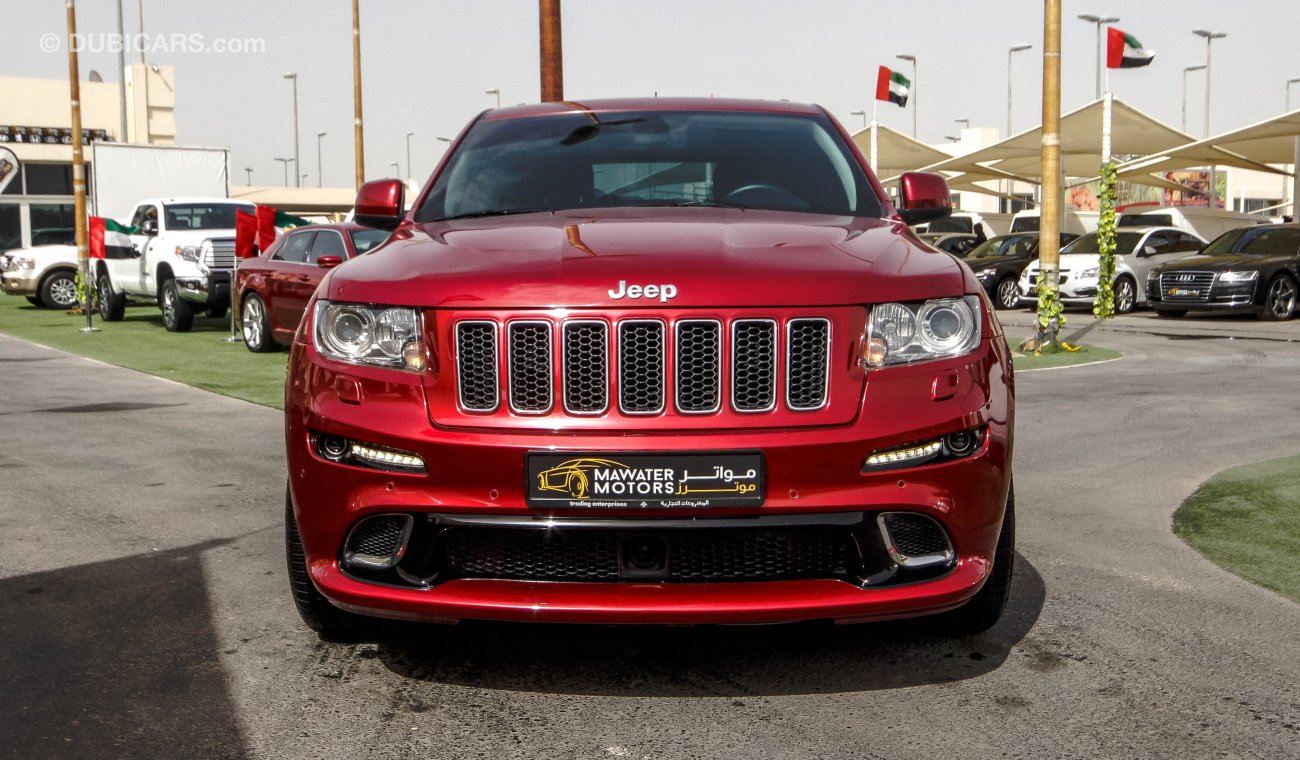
(896, 152)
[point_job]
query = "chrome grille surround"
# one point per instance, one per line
(641, 366)
(477, 379)
(753, 365)
(585, 380)
(221, 255)
(1202, 280)
(528, 365)
(697, 353)
(807, 358)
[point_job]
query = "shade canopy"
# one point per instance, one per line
(896, 152)
(1272, 141)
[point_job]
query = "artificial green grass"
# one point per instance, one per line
(1085, 355)
(1247, 521)
(199, 358)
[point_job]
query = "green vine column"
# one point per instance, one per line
(1104, 305)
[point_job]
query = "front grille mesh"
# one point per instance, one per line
(915, 535)
(378, 536)
(695, 556)
(1200, 281)
(745, 361)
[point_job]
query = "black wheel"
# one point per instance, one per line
(35, 301)
(1125, 295)
(329, 622)
(1279, 299)
(59, 290)
(112, 306)
(984, 609)
(1007, 294)
(1175, 313)
(178, 315)
(256, 325)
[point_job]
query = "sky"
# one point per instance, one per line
(427, 64)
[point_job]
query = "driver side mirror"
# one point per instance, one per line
(149, 227)
(923, 197)
(380, 204)
(329, 262)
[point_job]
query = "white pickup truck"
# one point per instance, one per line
(182, 257)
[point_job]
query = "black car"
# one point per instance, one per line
(957, 243)
(1251, 269)
(998, 262)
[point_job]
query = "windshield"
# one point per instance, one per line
(1125, 243)
(364, 240)
(952, 224)
(1145, 220)
(633, 158)
(203, 216)
(1255, 241)
(1006, 245)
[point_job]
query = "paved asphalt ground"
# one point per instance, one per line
(144, 609)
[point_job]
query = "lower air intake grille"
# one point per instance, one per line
(915, 538)
(377, 541)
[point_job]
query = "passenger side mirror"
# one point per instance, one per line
(1148, 250)
(380, 204)
(149, 227)
(923, 197)
(329, 262)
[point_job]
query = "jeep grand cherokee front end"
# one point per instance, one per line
(651, 361)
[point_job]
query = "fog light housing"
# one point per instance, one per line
(962, 443)
(361, 454)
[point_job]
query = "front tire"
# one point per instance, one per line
(1007, 294)
(1125, 295)
(59, 290)
(1279, 299)
(112, 306)
(178, 315)
(329, 622)
(984, 609)
(256, 326)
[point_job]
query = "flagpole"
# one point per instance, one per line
(234, 277)
(875, 146)
(78, 168)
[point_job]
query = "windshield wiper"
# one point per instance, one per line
(498, 212)
(707, 203)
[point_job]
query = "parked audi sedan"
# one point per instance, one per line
(272, 290)
(1137, 252)
(1250, 269)
(998, 262)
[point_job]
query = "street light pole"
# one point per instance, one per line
(863, 114)
(1210, 36)
(1098, 20)
(397, 169)
(912, 94)
(1295, 180)
(1186, 69)
(1010, 51)
(249, 169)
(358, 137)
(285, 162)
(494, 91)
(294, 77)
(408, 154)
(320, 176)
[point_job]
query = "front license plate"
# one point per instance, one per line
(1183, 292)
(613, 480)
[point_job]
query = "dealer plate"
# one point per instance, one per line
(615, 480)
(1182, 292)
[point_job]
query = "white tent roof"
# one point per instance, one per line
(896, 152)
(1267, 142)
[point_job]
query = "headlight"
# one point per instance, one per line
(384, 336)
(1237, 276)
(1088, 274)
(20, 264)
(899, 333)
(985, 274)
(188, 252)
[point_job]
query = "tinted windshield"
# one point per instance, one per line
(952, 224)
(1125, 243)
(202, 216)
(364, 240)
(1256, 241)
(1145, 220)
(1007, 245)
(594, 160)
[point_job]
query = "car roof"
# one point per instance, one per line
(195, 199)
(653, 104)
(340, 226)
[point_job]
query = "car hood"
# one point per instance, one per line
(45, 253)
(195, 237)
(1071, 262)
(710, 257)
(1225, 262)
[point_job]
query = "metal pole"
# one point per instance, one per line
(320, 175)
(359, 132)
(1295, 178)
(121, 73)
(552, 52)
(1049, 238)
(139, 18)
(408, 155)
(78, 166)
(297, 164)
(249, 169)
(1186, 69)
(1097, 62)
(1210, 36)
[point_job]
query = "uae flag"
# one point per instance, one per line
(95, 233)
(265, 227)
(892, 86)
(245, 234)
(1123, 51)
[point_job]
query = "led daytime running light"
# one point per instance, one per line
(905, 455)
(372, 455)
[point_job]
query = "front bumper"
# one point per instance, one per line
(812, 474)
(19, 283)
(1071, 293)
(211, 290)
(1223, 297)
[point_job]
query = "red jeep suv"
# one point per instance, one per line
(650, 361)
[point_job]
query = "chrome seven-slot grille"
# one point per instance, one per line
(1195, 281)
(222, 254)
(639, 351)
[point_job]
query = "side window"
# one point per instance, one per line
(294, 250)
(1188, 243)
(328, 243)
(142, 213)
(1158, 240)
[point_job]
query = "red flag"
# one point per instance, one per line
(265, 227)
(245, 234)
(96, 237)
